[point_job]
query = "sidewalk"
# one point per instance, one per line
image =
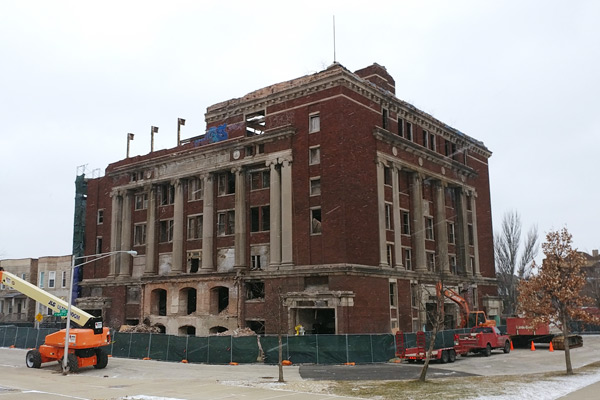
(591, 392)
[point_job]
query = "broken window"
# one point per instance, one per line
(258, 326)
(260, 180)
(166, 231)
(255, 123)
(315, 221)
(187, 330)
(384, 119)
(219, 299)
(139, 234)
(166, 194)
(194, 227)
(432, 145)
(195, 189)
(100, 217)
(388, 216)
(315, 186)
(314, 123)
(187, 301)
(158, 302)
(409, 131)
(255, 290)
(430, 261)
(226, 183)
(452, 262)
(407, 259)
(255, 263)
(393, 294)
(400, 127)
(428, 228)
(405, 223)
(314, 156)
(141, 201)
(217, 329)
(194, 260)
(259, 219)
(98, 244)
(226, 223)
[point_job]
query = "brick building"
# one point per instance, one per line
(324, 198)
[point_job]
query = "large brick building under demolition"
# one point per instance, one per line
(325, 198)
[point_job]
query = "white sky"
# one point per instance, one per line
(76, 77)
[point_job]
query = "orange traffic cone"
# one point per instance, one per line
(511, 346)
(532, 346)
(551, 346)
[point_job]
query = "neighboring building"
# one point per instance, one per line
(49, 273)
(592, 272)
(324, 199)
(15, 307)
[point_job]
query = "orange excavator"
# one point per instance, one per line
(469, 318)
(85, 344)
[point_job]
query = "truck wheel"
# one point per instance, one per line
(452, 356)
(444, 358)
(101, 358)
(488, 350)
(72, 364)
(507, 347)
(33, 359)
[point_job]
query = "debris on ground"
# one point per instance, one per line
(141, 328)
(238, 332)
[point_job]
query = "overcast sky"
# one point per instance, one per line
(77, 76)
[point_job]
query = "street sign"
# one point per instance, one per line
(61, 313)
(39, 317)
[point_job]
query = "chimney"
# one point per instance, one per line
(378, 75)
(595, 253)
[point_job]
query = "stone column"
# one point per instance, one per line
(150, 231)
(115, 232)
(177, 255)
(208, 221)
(240, 218)
(381, 214)
(441, 228)
(462, 237)
(475, 237)
(125, 263)
(418, 233)
(397, 217)
(286, 213)
(275, 217)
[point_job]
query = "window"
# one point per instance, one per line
(166, 194)
(430, 262)
(255, 262)
(255, 123)
(384, 119)
(314, 156)
(469, 199)
(425, 139)
(41, 283)
(428, 228)
(315, 221)
(315, 186)
(432, 145)
(100, 217)
(387, 176)
(401, 127)
(388, 216)
(166, 231)
(405, 223)
(139, 234)
(260, 180)
(194, 227)
(451, 236)
(226, 223)
(314, 123)
(255, 290)
(259, 219)
(472, 267)
(141, 201)
(389, 249)
(393, 294)
(194, 260)
(470, 230)
(226, 183)
(99, 245)
(407, 259)
(63, 279)
(414, 296)
(452, 262)
(409, 131)
(195, 189)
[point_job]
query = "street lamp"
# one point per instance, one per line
(98, 257)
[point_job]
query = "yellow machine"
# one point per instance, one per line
(469, 318)
(85, 343)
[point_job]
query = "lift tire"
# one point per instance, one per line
(444, 358)
(33, 359)
(488, 350)
(101, 358)
(72, 363)
(451, 356)
(507, 347)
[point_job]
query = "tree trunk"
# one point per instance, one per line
(280, 357)
(565, 331)
(423, 375)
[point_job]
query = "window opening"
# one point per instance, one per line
(255, 262)
(258, 326)
(314, 123)
(166, 231)
(409, 131)
(141, 201)
(196, 189)
(405, 223)
(166, 194)
(384, 117)
(428, 228)
(99, 245)
(159, 302)
(388, 216)
(226, 183)
(195, 227)
(407, 259)
(100, 217)
(315, 218)
(314, 155)
(259, 219)
(393, 294)
(226, 223)
(255, 123)
(139, 234)
(255, 290)
(51, 279)
(400, 127)
(315, 186)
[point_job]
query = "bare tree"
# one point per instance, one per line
(512, 263)
(436, 319)
(555, 294)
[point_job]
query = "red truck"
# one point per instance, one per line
(483, 339)
(419, 353)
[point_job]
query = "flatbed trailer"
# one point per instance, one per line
(419, 353)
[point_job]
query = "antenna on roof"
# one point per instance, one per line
(334, 59)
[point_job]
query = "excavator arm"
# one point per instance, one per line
(462, 303)
(80, 317)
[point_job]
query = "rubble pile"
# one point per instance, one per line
(141, 328)
(238, 332)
